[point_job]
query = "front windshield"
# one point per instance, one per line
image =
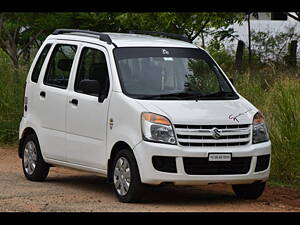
(170, 73)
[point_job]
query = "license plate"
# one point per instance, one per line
(219, 157)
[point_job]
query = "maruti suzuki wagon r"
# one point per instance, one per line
(140, 109)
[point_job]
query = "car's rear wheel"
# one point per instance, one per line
(34, 166)
(126, 178)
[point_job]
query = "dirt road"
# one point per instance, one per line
(67, 190)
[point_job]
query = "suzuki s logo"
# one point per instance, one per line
(165, 52)
(216, 134)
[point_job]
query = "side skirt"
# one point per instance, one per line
(75, 166)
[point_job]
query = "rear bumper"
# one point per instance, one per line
(144, 152)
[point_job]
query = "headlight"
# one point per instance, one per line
(260, 132)
(157, 128)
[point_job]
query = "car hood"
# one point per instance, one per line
(205, 112)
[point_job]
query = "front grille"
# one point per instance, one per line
(202, 135)
(201, 166)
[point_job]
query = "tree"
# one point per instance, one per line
(189, 24)
(19, 31)
(96, 21)
(13, 38)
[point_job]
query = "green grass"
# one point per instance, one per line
(278, 97)
(276, 182)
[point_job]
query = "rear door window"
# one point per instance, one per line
(60, 64)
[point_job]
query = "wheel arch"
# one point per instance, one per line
(27, 131)
(115, 149)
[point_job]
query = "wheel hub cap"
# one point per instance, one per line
(122, 176)
(30, 157)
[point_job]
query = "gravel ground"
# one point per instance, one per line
(68, 190)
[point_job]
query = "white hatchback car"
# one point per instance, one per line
(139, 109)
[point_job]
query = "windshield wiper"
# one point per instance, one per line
(190, 95)
(221, 94)
(176, 95)
(217, 95)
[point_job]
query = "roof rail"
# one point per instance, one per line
(103, 37)
(171, 35)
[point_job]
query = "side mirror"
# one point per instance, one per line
(89, 86)
(92, 87)
(232, 81)
(103, 94)
(101, 97)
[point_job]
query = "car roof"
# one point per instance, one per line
(125, 39)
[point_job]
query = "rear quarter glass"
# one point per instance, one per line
(39, 63)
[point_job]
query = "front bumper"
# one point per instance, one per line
(144, 152)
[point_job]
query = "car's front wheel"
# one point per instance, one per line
(126, 178)
(249, 191)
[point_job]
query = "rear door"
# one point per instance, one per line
(86, 120)
(51, 100)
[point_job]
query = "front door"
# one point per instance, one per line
(86, 119)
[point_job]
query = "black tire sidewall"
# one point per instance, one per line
(136, 188)
(249, 191)
(42, 169)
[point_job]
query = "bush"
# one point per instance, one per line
(271, 47)
(11, 99)
(221, 55)
(279, 100)
(284, 111)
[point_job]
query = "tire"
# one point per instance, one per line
(34, 166)
(126, 177)
(249, 191)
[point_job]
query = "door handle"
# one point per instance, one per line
(74, 101)
(43, 94)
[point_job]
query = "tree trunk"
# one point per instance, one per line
(13, 54)
(15, 60)
(239, 55)
(249, 39)
(292, 56)
(16, 75)
(203, 41)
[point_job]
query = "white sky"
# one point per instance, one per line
(273, 26)
(265, 25)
